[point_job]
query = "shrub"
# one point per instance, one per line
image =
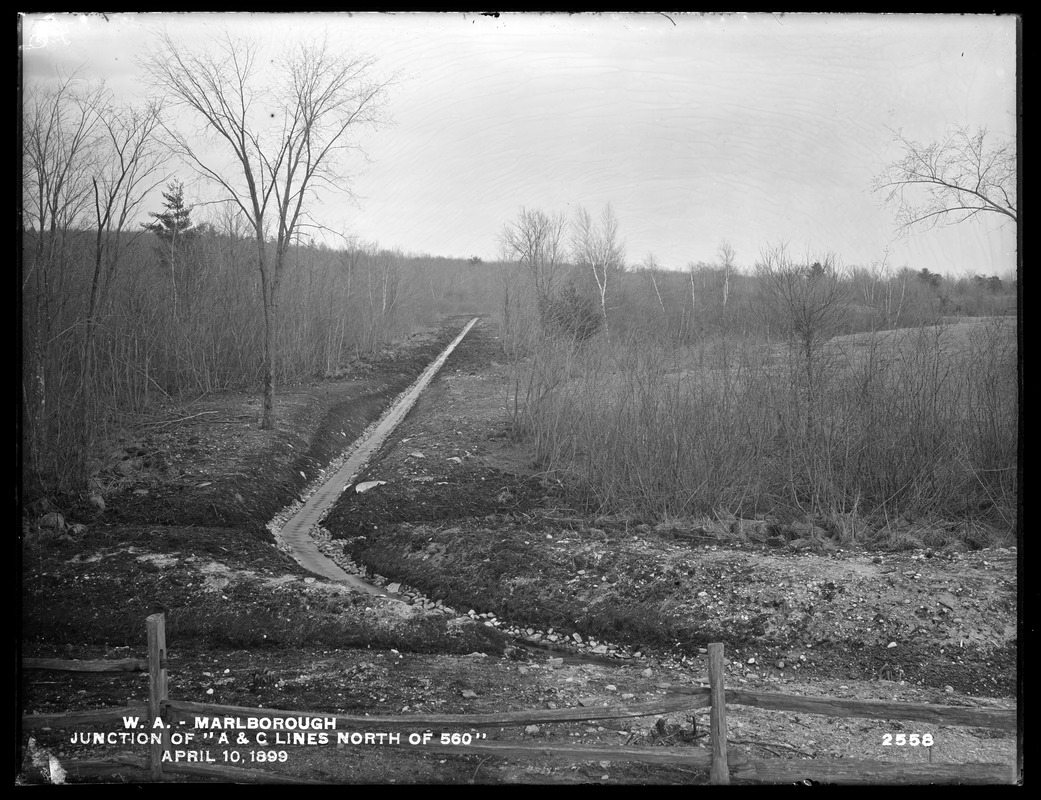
(572, 314)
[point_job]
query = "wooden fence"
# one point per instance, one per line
(722, 762)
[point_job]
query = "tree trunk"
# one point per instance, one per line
(267, 289)
(268, 421)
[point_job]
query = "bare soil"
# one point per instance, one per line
(524, 596)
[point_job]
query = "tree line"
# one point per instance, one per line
(572, 276)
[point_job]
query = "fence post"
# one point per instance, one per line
(157, 688)
(720, 772)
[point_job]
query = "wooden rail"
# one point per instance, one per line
(75, 665)
(183, 711)
(722, 762)
(997, 718)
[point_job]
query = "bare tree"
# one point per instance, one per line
(807, 300)
(88, 163)
(650, 267)
(382, 276)
(286, 135)
(726, 259)
(59, 138)
(951, 180)
(126, 172)
(536, 240)
(597, 248)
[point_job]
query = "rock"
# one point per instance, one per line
(366, 485)
(469, 694)
(53, 520)
(531, 730)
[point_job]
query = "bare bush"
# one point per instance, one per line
(908, 426)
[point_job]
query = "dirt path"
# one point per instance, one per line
(296, 531)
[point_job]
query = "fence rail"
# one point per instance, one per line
(722, 761)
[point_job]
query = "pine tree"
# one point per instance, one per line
(174, 225)
(176, 234)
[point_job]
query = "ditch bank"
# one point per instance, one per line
(295, 526)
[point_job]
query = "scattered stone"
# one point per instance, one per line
(366, 485)
(586, 702)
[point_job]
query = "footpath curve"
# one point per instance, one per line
(296, 531)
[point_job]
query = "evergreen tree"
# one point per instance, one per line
(174, 225)
(176, 235)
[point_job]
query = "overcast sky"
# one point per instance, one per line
(755, 129)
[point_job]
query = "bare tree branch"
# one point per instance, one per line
(951, 180)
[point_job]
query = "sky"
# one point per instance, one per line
(755, 129)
